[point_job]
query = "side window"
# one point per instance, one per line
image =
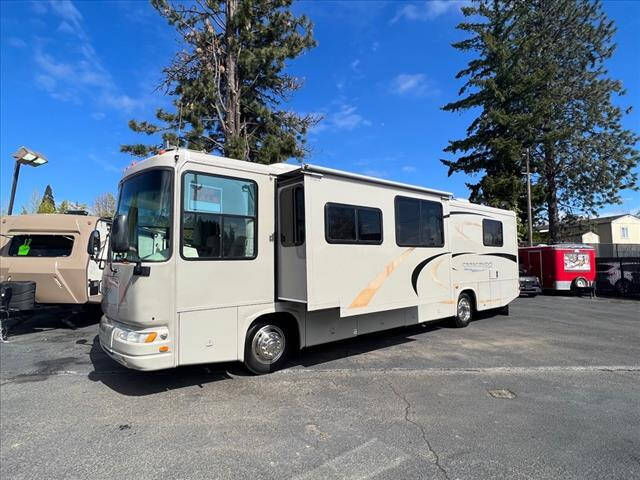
(292, 216)
(219, 217)
(492, 233)
(352, 224)
(419, 223)
(41, 246)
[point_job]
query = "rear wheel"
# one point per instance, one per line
(266, 347)
(464, 310)
(623, 286)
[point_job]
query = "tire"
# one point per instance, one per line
(623, 286)
(266, 347)
(579, 284)
(464, 311)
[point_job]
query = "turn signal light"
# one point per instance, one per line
(164, 348)
(151, 337)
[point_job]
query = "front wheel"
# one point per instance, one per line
(266, 347)
(464, 311)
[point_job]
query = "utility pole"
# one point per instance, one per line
(529, 201)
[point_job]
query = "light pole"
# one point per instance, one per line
(528, 174)
(27, 157)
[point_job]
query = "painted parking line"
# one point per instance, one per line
(365, 461)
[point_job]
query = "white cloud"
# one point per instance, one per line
(428, 10)
(345, 117)
(98, 115)
(375, 46)
(76, 74)
(71, 16)
(17, 42)
(354, 64)
(414, 84)
(408, 169)
(46, 82)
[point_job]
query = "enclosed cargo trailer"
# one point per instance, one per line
(561, 267)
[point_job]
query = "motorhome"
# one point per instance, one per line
(216, 260)
(61, 255)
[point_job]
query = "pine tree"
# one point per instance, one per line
(48, 204)
(228, 83)
(541, 83)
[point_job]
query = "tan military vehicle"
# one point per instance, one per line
(51, 259)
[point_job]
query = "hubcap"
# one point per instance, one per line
(268, 344)
(581, 282)
(464, 309)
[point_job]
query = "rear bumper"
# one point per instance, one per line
(135, 356)
(530, 290)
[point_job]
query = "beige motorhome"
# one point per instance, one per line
(219, 260)
(59, 252)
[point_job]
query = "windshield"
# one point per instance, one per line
(146, 201)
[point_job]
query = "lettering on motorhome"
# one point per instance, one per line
(477, 266)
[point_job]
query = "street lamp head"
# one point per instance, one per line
(29, 157)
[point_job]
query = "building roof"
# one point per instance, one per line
(588, 221)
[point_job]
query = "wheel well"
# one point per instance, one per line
(472, 296)
(285, 320)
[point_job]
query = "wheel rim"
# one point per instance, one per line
(268, 344)
(464, 309)
(581, 283)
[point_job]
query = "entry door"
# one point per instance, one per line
(535, 264)
(292, 257)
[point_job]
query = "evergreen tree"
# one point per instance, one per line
(228, 83)
(48, 204)
(540, 82)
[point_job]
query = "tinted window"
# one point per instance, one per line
(369, 225)
(41, 246)
(292, 216)
(492, 233)
(352, 224)
(219, 217)
(418, 223)
(340, 223)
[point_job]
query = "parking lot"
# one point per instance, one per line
(551, 391)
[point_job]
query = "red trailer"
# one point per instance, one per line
(562, 267)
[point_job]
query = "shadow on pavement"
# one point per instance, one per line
(136, 383)
(51, 318)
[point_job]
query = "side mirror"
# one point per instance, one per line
(120, 234)
(93, 246)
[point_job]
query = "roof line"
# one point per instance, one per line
(365, 178)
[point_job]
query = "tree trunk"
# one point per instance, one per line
(552, 195)
(233, 99)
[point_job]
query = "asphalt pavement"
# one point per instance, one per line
(550, 391)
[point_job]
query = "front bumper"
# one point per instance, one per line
(138, 356)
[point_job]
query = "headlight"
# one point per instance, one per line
(148, 336)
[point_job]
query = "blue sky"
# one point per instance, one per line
(73, 74)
